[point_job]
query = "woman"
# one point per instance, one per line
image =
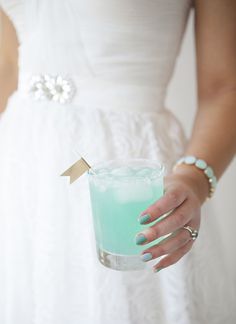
(114, 59)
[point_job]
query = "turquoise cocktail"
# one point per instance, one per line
(120, 190)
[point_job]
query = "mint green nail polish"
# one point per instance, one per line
(157, 269)
(144, 218)
(140, 239)
(146, 257)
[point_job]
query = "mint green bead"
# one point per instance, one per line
(209, 172)
(201, 164)
(190, 159)
(213, 182)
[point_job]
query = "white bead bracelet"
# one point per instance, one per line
(201, 165)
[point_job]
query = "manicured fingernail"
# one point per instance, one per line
(146, 257)
(144, 218)
(140, 239)
(157, 269)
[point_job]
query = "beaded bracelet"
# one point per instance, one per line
(201, 165)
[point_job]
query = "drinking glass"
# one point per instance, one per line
(120, 190)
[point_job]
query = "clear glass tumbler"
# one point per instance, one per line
(120, 190)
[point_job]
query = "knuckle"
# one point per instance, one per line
(155, 210)
(161, 250)
(178, 218)
(183, 238)
(173, 196)
(158, 210)
(154, 231)
(184, 234)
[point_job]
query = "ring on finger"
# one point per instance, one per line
(193, 232)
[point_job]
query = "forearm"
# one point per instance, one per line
(213, 139)
(214, 134)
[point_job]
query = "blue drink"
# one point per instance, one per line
(120, 191)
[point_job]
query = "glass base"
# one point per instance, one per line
(119, 261)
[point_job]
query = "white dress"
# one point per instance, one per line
(120, 57)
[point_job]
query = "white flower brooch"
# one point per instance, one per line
(52, 88)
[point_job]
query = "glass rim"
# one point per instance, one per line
(102, 164)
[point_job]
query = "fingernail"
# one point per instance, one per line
(144, 218)
(140, 239)
(146, 257)
(157, 269)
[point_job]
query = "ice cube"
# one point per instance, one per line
(101, 171)
(122, 171)
(133, 191)
(102, 182)
(143, 172)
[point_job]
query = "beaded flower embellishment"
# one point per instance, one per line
(52, 88)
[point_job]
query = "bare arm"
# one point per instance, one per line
(213, 138)
(8, 59)
(214, 133)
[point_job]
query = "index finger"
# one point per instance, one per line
(169, 201)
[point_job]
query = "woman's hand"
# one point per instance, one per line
(185, 191)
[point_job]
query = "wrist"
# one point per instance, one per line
(195, 178)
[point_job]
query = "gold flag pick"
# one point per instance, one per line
(76, 170)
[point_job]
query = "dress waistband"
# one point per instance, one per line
(92, 92)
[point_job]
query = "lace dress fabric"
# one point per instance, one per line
(121, 56)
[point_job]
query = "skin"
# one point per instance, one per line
(8, 59)
(214, 133)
